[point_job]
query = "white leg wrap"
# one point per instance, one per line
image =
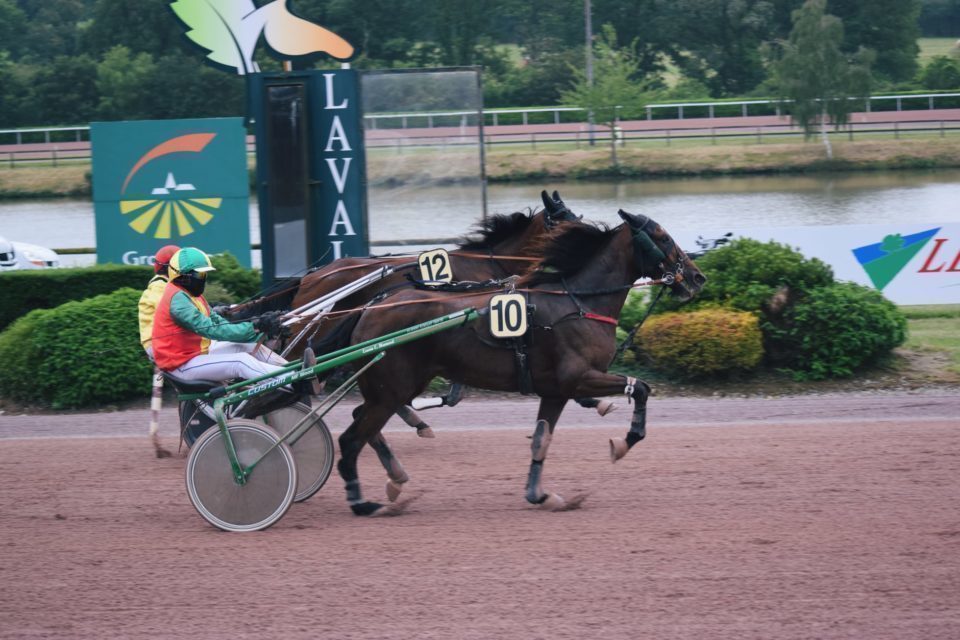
(629, 388)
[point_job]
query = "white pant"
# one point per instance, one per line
(230, 360)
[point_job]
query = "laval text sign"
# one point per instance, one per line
(909, 263)
(164, 182)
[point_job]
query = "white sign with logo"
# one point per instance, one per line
(909, 263)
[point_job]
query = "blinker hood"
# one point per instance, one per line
(643, 244)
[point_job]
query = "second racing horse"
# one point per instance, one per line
(574, 298)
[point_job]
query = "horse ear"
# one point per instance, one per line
(629, 218)
(556, 196)
(548, 204)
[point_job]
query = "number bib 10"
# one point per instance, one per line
(435, 267)
(508, 315)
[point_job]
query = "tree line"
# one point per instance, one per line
(73, 61)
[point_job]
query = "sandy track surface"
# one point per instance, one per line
(818, 517)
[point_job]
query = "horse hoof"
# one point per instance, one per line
(426, 432)
(395, 509)
(162, 453)
(553, 502)
(393, 490)
(605, 407)
(618, 448)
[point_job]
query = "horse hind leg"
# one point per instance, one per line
(396, 476)
(408, 415)
(602, 405)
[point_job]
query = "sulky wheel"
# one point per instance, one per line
(313, 450)
(268, 491)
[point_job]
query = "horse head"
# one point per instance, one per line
(657, 255)
(555, 210)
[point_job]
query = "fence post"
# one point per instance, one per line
(11, 159)
(494, 119)
(649, 113)
(759, 135)
(524, 118)
(556, 116)
(429, 121)
(850, 131)
(743, 109)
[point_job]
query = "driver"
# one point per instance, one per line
(195, 343)
(152, 294)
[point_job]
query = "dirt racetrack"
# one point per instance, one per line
(824, 517)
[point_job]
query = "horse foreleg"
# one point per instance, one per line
(395, 472)
(637, 391)
(547, 416)
(408, 415)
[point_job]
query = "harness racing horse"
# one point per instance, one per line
(576, 292)
(505, 247)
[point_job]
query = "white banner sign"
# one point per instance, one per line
(909, 263)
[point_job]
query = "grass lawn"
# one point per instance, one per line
(935, 328)
(930, 47)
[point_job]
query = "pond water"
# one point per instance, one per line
(708, 203)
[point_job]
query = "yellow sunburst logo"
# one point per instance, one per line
(160, 215)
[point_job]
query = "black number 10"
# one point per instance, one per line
(509, 315)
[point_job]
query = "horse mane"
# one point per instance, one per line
(496, 229)
(566, 252)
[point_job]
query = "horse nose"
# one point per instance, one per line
(699, 279)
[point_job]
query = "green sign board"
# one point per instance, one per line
(162, 182)
(311, 169)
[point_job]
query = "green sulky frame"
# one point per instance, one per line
(225, 396)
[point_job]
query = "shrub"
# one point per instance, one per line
(837, 329)
(79, 354)
(24, 291)
(240, 281)
(747, 275)
(702, 343)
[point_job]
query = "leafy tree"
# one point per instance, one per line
(64, 91)
(53, 27)
(617, 83)
(139, 25)
(940, 18)
(12, 26)
(123, 84)
(815, 77)
(942, 72)
(889, 27)
(717, 42)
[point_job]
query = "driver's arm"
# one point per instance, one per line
(214, 327)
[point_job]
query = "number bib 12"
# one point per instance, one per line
(508, 315)
(435, 267)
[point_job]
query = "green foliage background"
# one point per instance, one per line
(82, 353)
(72, 61)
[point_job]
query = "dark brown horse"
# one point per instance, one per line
(576, 292)
(505, 245)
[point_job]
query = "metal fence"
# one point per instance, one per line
(627, 133)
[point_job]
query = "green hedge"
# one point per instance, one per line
(811, 325)
(701, 343)
(80, 354)
(837, 329)
(24, 291)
